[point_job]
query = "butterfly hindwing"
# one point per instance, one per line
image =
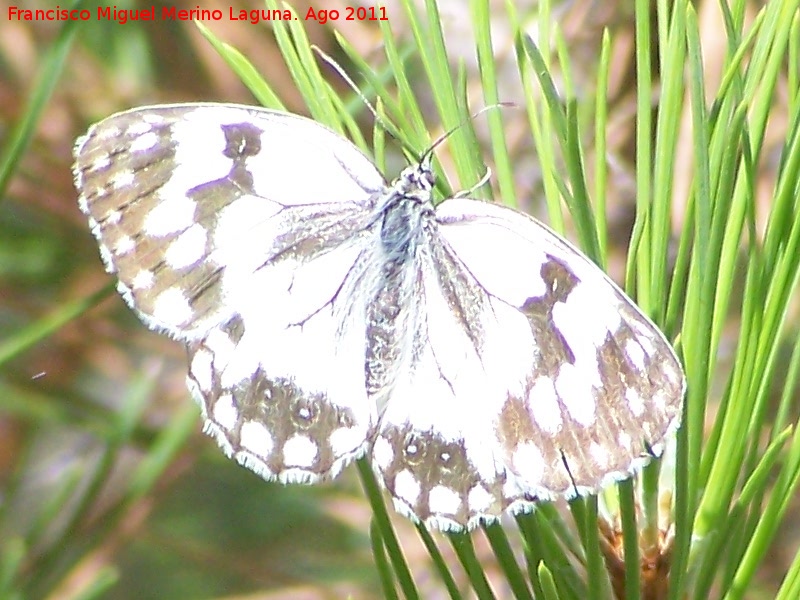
(289, 410)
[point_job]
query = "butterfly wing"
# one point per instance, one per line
(435, 451)
(547, 378)
(238, 230)
(181, 196)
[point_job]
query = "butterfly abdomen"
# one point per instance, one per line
(388, 317)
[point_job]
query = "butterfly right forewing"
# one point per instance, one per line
(592, 386)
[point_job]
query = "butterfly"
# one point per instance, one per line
(476, 358)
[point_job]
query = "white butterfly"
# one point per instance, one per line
(478, 359)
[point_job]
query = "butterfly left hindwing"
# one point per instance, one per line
(479, 359)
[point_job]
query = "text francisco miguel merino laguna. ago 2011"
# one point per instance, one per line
(172, 13)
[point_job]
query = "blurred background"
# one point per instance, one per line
(104, 471)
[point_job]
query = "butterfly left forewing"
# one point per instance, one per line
(593, 387)
(183, 197)
(239, 230)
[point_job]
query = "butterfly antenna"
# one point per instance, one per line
(483, 180)
(343, 74)
(427, 155)
(429, 152)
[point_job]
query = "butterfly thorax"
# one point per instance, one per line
(403, 210)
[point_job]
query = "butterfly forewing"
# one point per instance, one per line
(217, 242)
(593, 385)
(479, 359)
(178, 195)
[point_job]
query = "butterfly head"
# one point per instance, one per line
(416, 182)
